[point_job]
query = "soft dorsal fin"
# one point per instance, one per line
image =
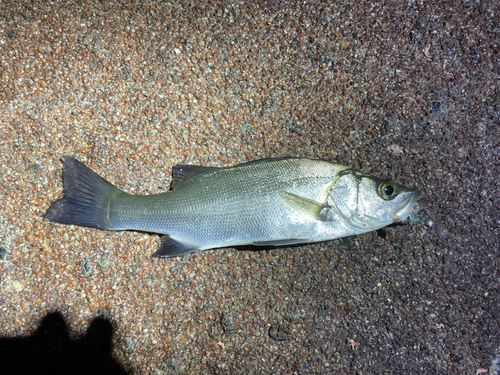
(181, 173)
(304, 205)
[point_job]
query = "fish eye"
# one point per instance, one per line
(387, 190)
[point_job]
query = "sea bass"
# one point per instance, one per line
(269, 202)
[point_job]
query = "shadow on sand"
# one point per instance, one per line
(49, 350)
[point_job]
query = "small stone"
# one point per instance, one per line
(436, 108)
(304, 366)
(3, 253)
(87, 266)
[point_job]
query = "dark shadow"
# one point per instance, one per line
(253, 248)
(51, 351)
(345, 241)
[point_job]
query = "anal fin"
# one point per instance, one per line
(170, 248)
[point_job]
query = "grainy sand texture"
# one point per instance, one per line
(407, 90)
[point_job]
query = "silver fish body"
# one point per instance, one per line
(267, 202)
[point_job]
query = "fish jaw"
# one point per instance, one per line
(402, 212)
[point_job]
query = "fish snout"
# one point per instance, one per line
(406, 207)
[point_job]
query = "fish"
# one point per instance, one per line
(268, 202)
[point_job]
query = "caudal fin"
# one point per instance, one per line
(86, 197)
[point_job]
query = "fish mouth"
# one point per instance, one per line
(401, 213)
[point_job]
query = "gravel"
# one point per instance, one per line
(407, 90)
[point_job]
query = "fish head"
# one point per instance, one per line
(369, 203)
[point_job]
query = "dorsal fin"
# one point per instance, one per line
(261, 161)
(181, 173)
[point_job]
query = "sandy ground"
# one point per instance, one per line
(401, 89)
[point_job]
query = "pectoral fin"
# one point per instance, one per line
(171, 248)
(304, 205)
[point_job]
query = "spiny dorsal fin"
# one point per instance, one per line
(262, 161)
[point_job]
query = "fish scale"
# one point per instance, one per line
(266, 202)
(233, 201)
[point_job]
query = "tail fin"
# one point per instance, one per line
(86, 197)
